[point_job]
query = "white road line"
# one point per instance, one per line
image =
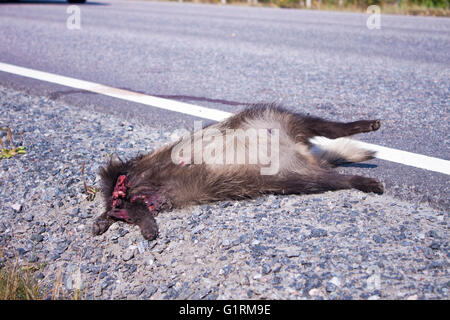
(384, 153)
(166, 104)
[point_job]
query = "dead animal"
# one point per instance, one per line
(263, 149)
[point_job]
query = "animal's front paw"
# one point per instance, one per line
(100, 226)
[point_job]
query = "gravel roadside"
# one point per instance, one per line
(336, 245)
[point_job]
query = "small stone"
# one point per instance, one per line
(132, 269)
(266, 268)
(41, 229)
(400, 236)
(69, 283)
(163, 289)
(436, 265)
(335, 281)
(104, 284)
(374, 297)
(314, 292)
(40, 276)
(139, 291)
(276, 280)
(275, 205)
(150, 290)
(61, 247)
(21, 251)
(83, 214)
(227, 269)
(435, 246)
(428, 253)
(226, 243)
(373, 282)
(257, 276)
(276, 268)
(379, 239)
(142, 246)
(330, 287)
(150, 261)
(98, 291)
(198, 228)
(128, 255)
(17, 207)
(413, 297)
(316, 233)
(28, 217)
(432, 234)
(55, 256)
(122, 232)
(291, 253)
(37, 237)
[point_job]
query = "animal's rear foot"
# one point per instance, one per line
(367, 184)
(375, 125)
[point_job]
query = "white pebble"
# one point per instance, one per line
(17, 207)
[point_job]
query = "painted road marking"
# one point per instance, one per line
(384, 153)
(162, 103)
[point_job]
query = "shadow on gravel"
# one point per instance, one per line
(58, 94)
(359, 165)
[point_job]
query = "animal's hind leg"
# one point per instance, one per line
(329, 181)
(333, 130)
(308, 127)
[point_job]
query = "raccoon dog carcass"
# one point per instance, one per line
(181, 174)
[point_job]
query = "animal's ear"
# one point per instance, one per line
(109, 175)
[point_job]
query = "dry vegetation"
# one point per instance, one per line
(18, 282)
(406, 7)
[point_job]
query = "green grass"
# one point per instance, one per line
(8, 148)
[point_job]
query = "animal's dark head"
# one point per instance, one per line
(126, 201)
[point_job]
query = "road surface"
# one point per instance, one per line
(326, 64)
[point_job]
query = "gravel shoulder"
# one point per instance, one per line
(336, 245)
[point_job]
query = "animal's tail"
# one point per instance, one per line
(339, 151)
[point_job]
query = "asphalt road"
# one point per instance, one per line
(323, 63)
